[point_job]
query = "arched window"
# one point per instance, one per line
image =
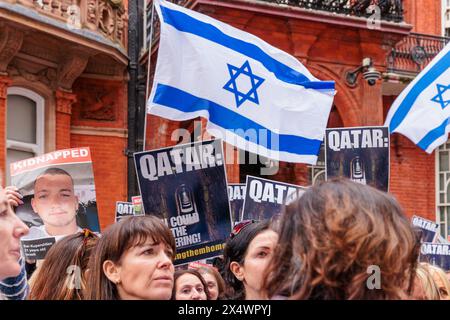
(24, 125)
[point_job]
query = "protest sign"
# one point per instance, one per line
(360, 154)
(429, 229)
(137, 205)
(37, 249)
(186, 186)
(58, 193)
(437, 254)
(124, 209)
(236, 194)
(265, 199)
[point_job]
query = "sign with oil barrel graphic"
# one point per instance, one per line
(360, 154)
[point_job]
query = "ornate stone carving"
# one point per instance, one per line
(120, 23)
(64, 101)
(106, 18)
(46, 75)
(102, 107)
(70, 69)
(10, 42)
(103, 16)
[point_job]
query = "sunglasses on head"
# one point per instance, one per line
(241, 225)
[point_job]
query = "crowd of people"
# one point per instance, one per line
(340, 240)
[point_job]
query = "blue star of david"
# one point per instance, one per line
(231, 85)
(439, 98)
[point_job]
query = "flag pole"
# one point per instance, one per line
(149, 57)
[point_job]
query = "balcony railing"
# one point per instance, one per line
(107, 17)
(389, 10)
(414, 52)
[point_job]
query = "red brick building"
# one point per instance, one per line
(70, 76)
(63, 84)
(331, 40)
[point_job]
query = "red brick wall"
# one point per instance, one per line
(424, 15)
(413, 178)
(412, 174)
(110, 172)
(103, 104)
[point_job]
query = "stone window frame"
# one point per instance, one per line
(38, 147)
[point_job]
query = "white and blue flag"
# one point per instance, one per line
(422, 111)
(255, 96)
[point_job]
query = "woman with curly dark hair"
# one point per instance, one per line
(332, 239)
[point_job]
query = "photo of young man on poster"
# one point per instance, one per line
(58, 198)
(55, 202)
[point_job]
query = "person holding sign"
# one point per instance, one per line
(11, 230)
(133, 260)
(344, 240)
(246, 256)
(56, 204)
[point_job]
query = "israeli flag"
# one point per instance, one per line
(255, 96)
(422, 111)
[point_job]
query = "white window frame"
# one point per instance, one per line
(446, 222)
(147, 6)
(38, 147)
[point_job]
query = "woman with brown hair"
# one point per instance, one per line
(62, 275)
(133, 260)
(343, 240)
(190, 285)
(214, 281)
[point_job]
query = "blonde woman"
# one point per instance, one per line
(442, 282)
(425, 287)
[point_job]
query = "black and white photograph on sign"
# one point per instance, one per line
(360, 154)
(266, 199)
(428, 229)
(124, 209)
(437, 254)
(58, 192)
(236, 193)
(186, 185)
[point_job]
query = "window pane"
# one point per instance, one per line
(441, 198)
(443, 161)
(441, 182)
(448, 226)
(21, 121)
(442, 214)
(443, 230)
(13, 156)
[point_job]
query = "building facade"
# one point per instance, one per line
(331, 39)
(64, 84)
